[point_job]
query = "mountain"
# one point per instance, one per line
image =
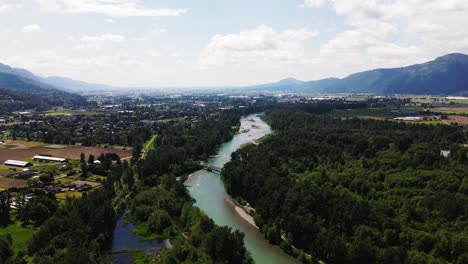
(61, 83)
(71, 85)
(445, 75)
(20, 93)
(286, 84)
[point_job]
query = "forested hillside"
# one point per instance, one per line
(357, 191)
(18, 93)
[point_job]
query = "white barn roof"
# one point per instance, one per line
(17, 163)
(39, 157)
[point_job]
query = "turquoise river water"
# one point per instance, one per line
(208, 190)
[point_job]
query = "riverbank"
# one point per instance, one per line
(241, 211)
(211, 197)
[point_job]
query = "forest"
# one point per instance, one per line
(80, 230)
(348, 190)
(161, 205)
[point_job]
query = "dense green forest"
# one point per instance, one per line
(348, 190)
(161, 204)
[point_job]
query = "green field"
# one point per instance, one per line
(62, 111)
(20, 235)
(149, 145)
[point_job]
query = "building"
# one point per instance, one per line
(17, 163)
(409, 118)
(26, 174)
(445, 152)
(45, 158)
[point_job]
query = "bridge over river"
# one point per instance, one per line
(213, 168)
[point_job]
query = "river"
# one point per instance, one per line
(208, 190)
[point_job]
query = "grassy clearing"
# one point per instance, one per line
(62, 112)
(150, 144)
(452, 112)
(20, 235)
(357, 99)
(25, 143)
(428, 122)
(63, 196)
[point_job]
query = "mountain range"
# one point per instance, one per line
(445, 75)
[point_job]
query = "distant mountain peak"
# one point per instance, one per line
(447, 74)
(290, 81)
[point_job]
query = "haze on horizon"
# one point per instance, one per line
(225, 43)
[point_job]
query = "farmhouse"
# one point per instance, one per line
(17, 163)
(26, 174)
(45, 158)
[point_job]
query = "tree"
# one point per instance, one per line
(84, 170)
(6, 251)
(4, 208)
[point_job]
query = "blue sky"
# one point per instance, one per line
(223, 43)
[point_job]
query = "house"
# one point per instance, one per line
(17, 163)
(46, 158)
(66, 167)
(85, 187)
(26, 174)
(2, 121)
(54, 189)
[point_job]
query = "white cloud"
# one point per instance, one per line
(314, 3)
(262, 45)
(153, 53)
(32, 28)
(97, 41)
(114, 8)
(6, 31)
(115, 68)
(392, 33)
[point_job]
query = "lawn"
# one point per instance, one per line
(20, 235)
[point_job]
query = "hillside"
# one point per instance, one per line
(445, 75)
(20, 93)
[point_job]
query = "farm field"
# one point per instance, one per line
(461, 120)
(451, 110)
(72, 152)
(11, 183)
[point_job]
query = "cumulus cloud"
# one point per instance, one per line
(260, 45)
(153, 53)
(115, 8)
(391, 33)
(98, 41)
(32, 28)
